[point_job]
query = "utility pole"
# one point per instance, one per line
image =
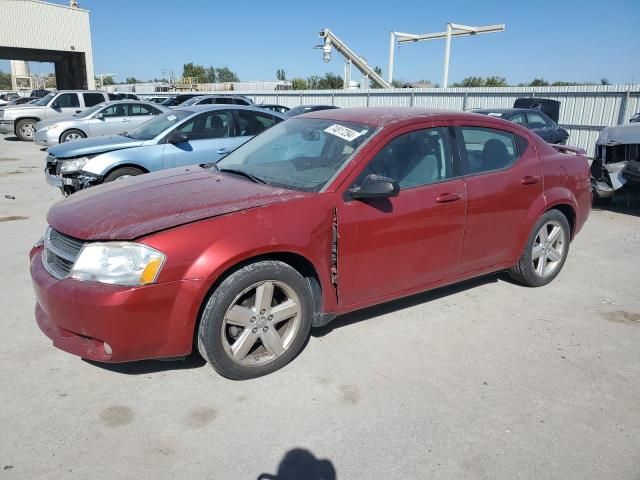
(453, 30)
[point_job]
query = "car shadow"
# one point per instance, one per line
(406, 302)
(627, 203)
(12, 139)
(144, 367)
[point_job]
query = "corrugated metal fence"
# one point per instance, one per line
(584, 110)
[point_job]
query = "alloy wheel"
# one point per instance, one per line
(27, 130)
(72, 136)
(261, 323)
(548, 249)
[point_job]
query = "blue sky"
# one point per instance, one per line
(558, 40)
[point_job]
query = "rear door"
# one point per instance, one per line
(140, 113)
(210, 137)
(503, 178)
(114, 120)
(392, 245)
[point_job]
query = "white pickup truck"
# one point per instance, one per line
(21, 119)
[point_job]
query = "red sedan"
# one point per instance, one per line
(320, 215)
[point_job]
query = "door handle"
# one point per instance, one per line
(222, 151)
(529, 180)
(448, 197)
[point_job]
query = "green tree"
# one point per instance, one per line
(191, 70)
(539, 82)
(281, 75)
(495, 82)
(313, 82)
(132, 80)
(330, 81)
(372, 84)
(605, 81)
(224, 74)
(5, 81)
(299, 84)
(209, 75)
(107, 80)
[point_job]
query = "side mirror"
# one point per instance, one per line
(375, 186)
(55, 106)
(177, 137)
(99, 116)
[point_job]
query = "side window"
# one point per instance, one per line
(142, 110)
(518, 118)
(488, 149)
(214, 124)
(206, 101)
(223, 101)
(253, 123)
(415, 158)
(70, 100)
(91, 99)
(536, 120)
(118, 110)
(240, 101)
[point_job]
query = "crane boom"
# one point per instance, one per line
(331, 41)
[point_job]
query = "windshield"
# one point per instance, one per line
(169, 101)
(46, 99)
(90, 111)
(159, 124)
(300, 154)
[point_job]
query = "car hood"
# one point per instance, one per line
(137, 206)
(93, 146)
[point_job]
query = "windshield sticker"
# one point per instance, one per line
(343, 132)
(171, 118)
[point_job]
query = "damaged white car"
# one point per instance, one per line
(616, 163)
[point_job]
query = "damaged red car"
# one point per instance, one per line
(320, 215)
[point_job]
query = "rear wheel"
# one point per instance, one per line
(546, 251)
(25, 129)
(256, 321)
(71, 135)
(121, 173)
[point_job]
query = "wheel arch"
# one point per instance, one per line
(69, 129)
(125, 165)
(569, 212)
(19, 119)
(297, 261)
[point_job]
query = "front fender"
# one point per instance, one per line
(103, 163)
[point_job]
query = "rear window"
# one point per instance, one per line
(91, 99)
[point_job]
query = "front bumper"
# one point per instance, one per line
(46, 138)
(6, 126)
(136, 323)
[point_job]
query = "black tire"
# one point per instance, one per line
(23, 125)
(210, 332)
(64, 137)
(524, 272)
(122, 172)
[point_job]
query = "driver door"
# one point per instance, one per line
(399, 244)
(210, 138)
(64, 105)
(114, 120)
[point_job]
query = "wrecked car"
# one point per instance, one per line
(616, 163)
(188, 136)
(320, 215)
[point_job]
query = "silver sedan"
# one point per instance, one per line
(108, 118)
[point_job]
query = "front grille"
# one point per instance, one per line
(53, 166)
(60, 253)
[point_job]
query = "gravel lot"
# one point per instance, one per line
(482, 380)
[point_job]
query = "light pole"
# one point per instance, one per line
(453, 30)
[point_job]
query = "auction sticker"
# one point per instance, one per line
(342, 132)
(171, 118)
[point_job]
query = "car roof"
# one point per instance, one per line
(204, 108)
(378, 116)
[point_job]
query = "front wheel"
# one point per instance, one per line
(25, 129)
(122, 173)
(256, 321)
(71, 135)
(546, 251)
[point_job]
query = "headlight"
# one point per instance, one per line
(47, 127)
(118, 263)
(72, 166)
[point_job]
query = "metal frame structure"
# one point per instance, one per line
(332, 41)
(453, 30)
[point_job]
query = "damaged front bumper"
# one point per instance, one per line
(615, 167)
(68, 183)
